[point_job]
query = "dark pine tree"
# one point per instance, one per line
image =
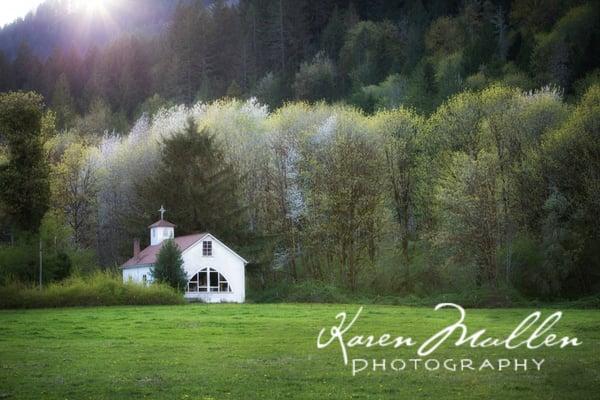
(197, 184)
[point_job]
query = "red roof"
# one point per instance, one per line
(162, 224)
(149, 254)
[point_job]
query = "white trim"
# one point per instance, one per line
(208, 285)
(135, 266)
(208, 242)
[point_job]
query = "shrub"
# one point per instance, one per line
(100, 289)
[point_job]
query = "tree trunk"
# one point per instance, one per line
(281, 38)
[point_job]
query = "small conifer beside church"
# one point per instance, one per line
(169, 266)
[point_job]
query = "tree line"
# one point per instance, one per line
(419, 147)
(496, 188)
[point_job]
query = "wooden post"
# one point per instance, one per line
(40, 263)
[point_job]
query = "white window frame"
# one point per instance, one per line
(208, 288)
(209, 247)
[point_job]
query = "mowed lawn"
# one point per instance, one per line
(258, 351)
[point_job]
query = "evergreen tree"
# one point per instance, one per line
(198, 185)
(225, 45)
(332, 37)
(26, 67)
(24, 187)
(62, 102)
(189, 40)
(169, 266)
(5, 73)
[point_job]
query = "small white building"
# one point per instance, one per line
(215, 272)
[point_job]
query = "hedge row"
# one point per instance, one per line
(100, 289)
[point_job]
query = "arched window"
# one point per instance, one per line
(208, 280)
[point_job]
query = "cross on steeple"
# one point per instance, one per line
(162, 211)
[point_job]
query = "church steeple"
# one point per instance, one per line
(161, 229)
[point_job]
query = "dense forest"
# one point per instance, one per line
(392, 147)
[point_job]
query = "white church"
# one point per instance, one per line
(215, 272)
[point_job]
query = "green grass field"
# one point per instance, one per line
(269, 351)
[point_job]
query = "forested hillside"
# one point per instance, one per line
(388, 147)
(132, 56)
(78, 25)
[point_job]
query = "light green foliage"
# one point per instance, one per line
(98, 120)
(394, 199)
(153, 104)
(571, 161)
(404, 175)
(453, 127)
(335, 195)
(484, 143)
(98, 289)
(342, 176)
(390, 93)
(469, 221)
(487, 180)
(513, 77)
(74, 192)
(589, 80)
(19, 260)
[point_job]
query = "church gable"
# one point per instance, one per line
(215, 272)
(210, 245)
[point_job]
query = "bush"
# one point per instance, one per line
(100, 289)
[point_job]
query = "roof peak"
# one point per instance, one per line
(149, 254)
(162, 223)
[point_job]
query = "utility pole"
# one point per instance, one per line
(40, 263)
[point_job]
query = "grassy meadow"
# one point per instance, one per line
(269, 351)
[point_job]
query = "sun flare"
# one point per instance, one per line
(92, 6)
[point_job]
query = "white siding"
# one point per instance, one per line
(157, 235)
(224, 261)
(136, 274)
